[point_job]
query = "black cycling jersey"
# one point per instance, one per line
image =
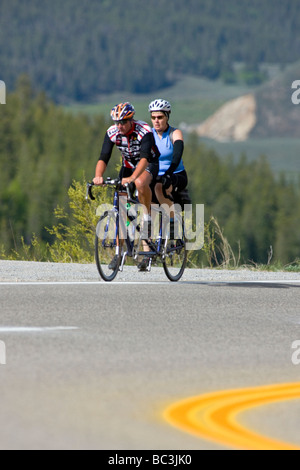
(137, 144)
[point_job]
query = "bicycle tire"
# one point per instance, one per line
(175, 260)
(107, 251)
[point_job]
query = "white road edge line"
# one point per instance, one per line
(134, 283)
(33, 329)
(82, 283)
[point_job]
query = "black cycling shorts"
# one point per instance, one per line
(179, 181)
(152, 168)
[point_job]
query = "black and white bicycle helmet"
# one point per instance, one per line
(160, 105)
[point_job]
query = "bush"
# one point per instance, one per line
(75, 233)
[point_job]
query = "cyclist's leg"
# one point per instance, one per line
(125, 172)
(175, 249)
(165, 197)
(145, 197)
(179, 181)
(143, 185)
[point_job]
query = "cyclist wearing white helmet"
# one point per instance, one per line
(139, 153)
(169, 140)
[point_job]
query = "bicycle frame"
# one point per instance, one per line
(156, 248)
(119, 190)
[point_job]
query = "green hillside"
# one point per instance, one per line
(282, 154)
(77, 50)
(193, 99)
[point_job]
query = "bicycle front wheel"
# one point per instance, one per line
(107, 249)
(175, 259)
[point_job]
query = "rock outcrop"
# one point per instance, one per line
(270, 111)
(233, 121)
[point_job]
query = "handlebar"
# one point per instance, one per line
(129, 188)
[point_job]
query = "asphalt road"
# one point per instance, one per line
(94, 366)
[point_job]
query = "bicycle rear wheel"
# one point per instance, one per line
(107, 249)
(175, 256)
(175, 259)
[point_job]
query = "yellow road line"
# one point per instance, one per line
(213, 416)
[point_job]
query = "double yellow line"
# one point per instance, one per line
(213, 416)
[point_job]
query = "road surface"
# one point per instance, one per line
(91, 365)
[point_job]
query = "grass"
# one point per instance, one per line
(220, 255)
(193, 100)
(275, 267)
(187, 112)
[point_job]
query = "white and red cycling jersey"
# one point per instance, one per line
(137, 144)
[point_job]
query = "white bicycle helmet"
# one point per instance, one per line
(160, 105)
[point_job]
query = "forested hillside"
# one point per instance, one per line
(78, 49)
(43, 149)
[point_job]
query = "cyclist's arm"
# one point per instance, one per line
(100, 170)
(106, 150)
(148, 148)
(177, 152)
(104, 158)
(148, 153)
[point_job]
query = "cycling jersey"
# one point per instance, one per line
(165, 146)
(137, 144)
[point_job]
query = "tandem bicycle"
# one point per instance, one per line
(119, 235)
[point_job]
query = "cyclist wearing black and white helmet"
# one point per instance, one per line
(169, 140)
(139, 152)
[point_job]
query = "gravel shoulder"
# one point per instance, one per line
(23, 271)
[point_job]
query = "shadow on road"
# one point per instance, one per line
(245, 284)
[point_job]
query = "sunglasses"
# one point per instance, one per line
(157, 117)
(122, 122)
